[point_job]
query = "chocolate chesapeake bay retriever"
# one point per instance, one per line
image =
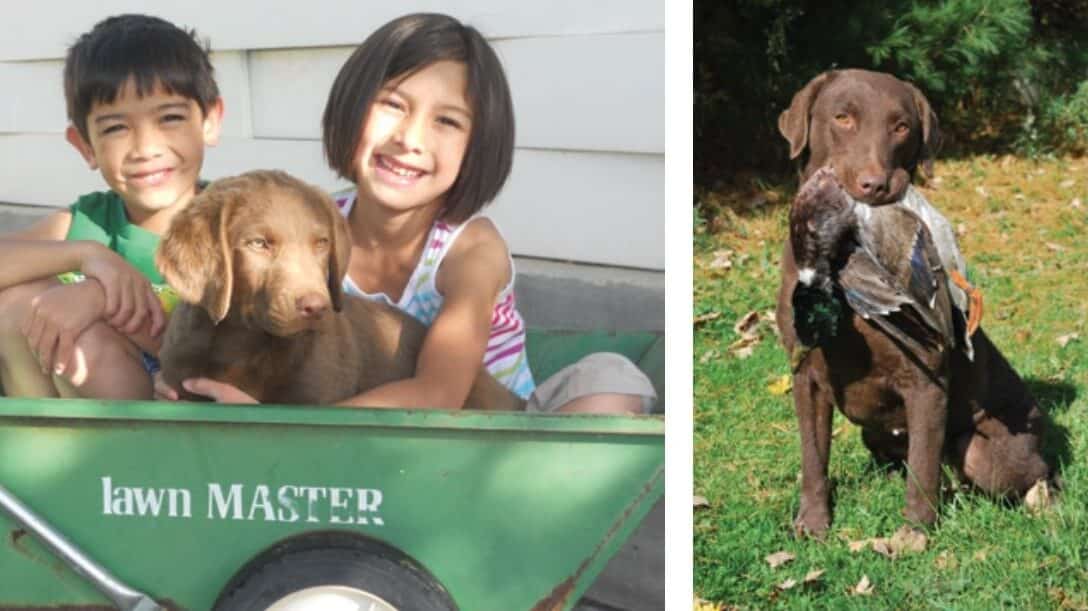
(257, 262)
(874, 131)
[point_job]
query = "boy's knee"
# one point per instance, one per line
(98, 347)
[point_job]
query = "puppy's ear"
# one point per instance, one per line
(794, 121)
(339, 253)
(194, 255)
(931, 131)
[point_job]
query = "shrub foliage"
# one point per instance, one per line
(1003, 75)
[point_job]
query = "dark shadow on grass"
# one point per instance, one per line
(1054, 398)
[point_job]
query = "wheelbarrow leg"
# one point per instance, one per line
(123, 596)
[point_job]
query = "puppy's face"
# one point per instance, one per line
(262, 249)
(280, 245)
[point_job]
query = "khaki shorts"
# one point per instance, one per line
(601, 372)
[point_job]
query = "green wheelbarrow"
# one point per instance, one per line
(145, 505)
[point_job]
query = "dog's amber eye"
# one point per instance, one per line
(902, 128)
(257, 243)
(844, 119)
(321, 243)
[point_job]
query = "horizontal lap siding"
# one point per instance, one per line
(588, 178)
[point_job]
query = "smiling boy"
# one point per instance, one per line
(143, 104)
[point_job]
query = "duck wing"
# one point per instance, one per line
(895, 267)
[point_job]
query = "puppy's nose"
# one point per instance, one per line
(311, 306)
(873, 185)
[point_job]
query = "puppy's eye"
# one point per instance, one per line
(257, 243)
(844, 120)
(902, 128)
(321, 243)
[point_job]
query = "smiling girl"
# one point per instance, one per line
(420, 118)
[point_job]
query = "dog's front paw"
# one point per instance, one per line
(920, 514)
(812, 520)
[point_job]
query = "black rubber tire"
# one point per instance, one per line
(274, 576)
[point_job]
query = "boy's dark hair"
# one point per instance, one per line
(148, 49)
(399, 49)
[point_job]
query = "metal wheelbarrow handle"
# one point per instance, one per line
(123, 596)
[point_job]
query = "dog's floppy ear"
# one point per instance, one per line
(194, 255)
(793, 122)
(339, 253)
(931, 131)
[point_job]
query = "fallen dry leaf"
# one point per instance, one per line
(722, 260)
(777, 559)
(864, 587)
(905, 540)
(880, 546)
(1068, 337)
(782, 428)
(709, 355)
(813, 575)
(961, 230)
(709, 316)
(945, 560)
(789, 583)
(1055, 247)
(1076, 203)
(743, 347)
(706, 605)
(1064, 600)
(699, 501)
(782, 385)
(982, 191)
(857, 546)
(747, 326)
(908, 540)
(1038, 497)
(1065, 184)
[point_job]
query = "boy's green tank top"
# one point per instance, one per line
(101, 217)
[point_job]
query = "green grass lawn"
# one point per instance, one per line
(1022, 227)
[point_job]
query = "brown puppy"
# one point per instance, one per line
(874, 131)
(257, 261)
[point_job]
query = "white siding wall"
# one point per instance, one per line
(587, 80)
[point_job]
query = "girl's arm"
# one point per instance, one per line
(470, 279)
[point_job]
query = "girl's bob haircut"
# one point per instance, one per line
(397, 50)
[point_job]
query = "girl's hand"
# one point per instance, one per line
(53, 324)
(130, 301)
(220, 392)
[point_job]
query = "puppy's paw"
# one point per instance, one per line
(920, 515)
(812, 521)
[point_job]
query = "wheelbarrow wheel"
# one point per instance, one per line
(334, 579)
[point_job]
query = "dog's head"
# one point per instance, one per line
(873, 129)
(263, 248)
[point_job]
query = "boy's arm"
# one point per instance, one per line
(40, 250)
